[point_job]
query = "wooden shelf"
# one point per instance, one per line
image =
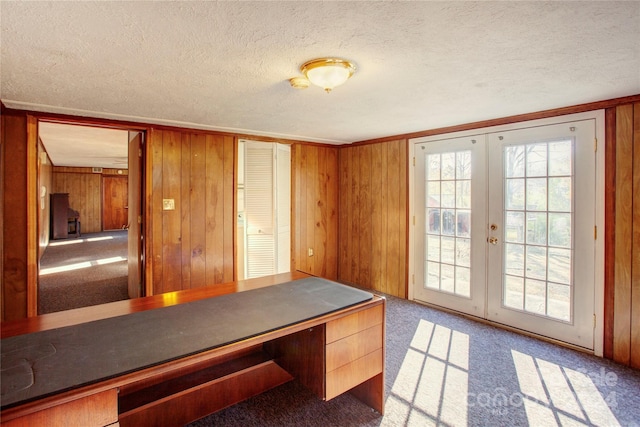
(186, 398)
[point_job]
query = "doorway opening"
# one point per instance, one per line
(89, 215)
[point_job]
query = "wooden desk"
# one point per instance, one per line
(328, 348)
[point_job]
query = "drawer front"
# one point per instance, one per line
(350, 375)
(353, 347)
(99, 409)
(354, 323)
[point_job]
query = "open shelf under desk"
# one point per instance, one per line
(188, 396)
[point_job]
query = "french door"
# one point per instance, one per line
(450, 201)
(505, 227)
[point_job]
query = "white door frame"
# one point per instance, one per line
(598, 115)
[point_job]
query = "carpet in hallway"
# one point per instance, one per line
(89, 270)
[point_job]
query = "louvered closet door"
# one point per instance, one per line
(259, 209)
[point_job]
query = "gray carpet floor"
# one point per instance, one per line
(446, 370)
(81, 272)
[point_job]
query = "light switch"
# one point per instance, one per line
(310, 252)
(168, 204)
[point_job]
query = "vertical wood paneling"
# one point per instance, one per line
(609, 230)
(394, 238)
(635, 250)
(300, 205)
(402, 214)
(32, 216)
(214, 210)
(92, 205)
(301, 217)
(354, 229)
(623, 231)
(211, 201)
(186, 208)
(230, 211)
(197, 249)
(344, 213)
(315, 205)
(622, 243)
(373, 216)
(331, 210)
(312, 194)
(379, 217)
(14, 243)
(364, 216)
(85, 194)
(155, 207)
(45, 179)
(115, 198)
(171, 219)
(193, 245)
(321, 217)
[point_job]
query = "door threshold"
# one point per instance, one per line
(508, 328)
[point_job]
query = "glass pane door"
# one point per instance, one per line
(537, 216)
(504, 227)
(449, 191)
(536, 240)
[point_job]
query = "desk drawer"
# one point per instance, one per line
(354, 350)
(352, 374)
(353, 347)
(354, 323)
(98, 409)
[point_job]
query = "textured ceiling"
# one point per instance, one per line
(84, 146)
(226, 65)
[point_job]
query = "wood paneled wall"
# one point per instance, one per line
(85, 193)
(84, 190)
(45, 180)
(622, 265)
(14, 224)
(192, 245)
(19, 260)
(315, 206)
(372, 248)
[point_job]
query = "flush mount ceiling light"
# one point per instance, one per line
(325, 72)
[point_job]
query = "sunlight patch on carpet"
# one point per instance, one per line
(555, 395)
(434, 376)
(81, 265)
(76, 241)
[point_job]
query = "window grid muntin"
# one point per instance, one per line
(448, 222)
(515, 172)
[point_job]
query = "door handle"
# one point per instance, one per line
(493, 240)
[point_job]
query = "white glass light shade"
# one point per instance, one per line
(328, 72)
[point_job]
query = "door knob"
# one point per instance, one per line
(493, 240)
